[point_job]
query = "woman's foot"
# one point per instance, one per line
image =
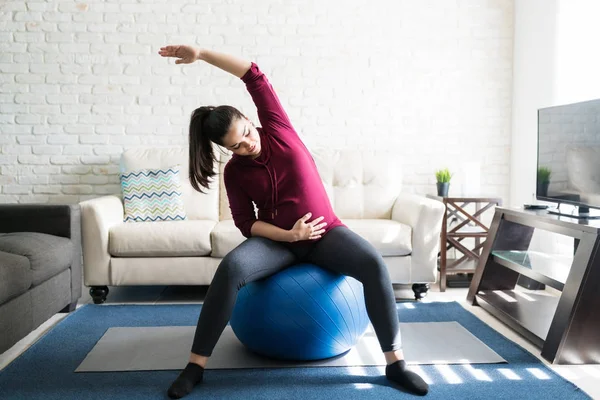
(397, 372)
(185, 382)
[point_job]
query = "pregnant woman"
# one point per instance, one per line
(272, 167)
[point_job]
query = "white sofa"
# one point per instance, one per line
(365, 188)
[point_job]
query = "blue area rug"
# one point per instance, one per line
(46, 369)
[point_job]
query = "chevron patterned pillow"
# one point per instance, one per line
(152, 195)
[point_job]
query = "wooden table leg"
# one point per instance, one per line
(477, 240)
(443, 245)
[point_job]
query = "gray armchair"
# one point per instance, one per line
(40, 266)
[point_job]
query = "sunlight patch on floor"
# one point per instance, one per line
(419, 371)
(591, 370)
(538, 373)
(478, 374)
(449, 375)
(566, 372)
(363, 386)
(509, 374)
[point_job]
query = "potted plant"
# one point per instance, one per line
(443, 177)
(543, 181)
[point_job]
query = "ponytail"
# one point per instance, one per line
(208, 125)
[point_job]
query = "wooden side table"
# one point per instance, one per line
(469, 226)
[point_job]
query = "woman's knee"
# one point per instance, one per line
(373, 267)
(232, 269)
(244, 262)
(234, 260)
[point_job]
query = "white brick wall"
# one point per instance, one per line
(82, 81)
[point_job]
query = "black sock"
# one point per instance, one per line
(410, 381)
(185, 382)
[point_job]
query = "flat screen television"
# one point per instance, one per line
(568, 158)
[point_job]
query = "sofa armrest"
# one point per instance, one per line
(62, 220)
(424, 216)
(97, 217)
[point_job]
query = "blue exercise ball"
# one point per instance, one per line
(302, 313)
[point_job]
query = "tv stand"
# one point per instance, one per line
(562, 319)
(582, 212)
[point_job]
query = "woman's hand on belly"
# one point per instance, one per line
(303, 230)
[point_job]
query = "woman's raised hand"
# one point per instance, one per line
(185, 54)
(308, 231)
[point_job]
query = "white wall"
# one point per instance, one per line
(555, 62)
(82, 81)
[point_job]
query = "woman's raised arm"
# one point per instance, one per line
(271, 114)
(190, 54)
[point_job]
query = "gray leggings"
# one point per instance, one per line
(339, 250)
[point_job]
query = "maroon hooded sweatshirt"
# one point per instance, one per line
(283, 180)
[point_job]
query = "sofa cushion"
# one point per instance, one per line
(224, 238)
(389, 237)
(360, 183)
(152, 195)
(198, 205)
(161, 239)
(15, 276)
(48, 255)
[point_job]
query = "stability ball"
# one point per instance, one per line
(302, 313)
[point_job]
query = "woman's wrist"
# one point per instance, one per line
(291, 237)
(270, 231)
(201, 53)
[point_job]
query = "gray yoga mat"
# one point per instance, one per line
(168, 348)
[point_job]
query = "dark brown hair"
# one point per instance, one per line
(208, 124)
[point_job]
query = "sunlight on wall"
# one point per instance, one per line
(554, 63)
(577, 64)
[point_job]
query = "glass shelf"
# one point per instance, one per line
(552, 269)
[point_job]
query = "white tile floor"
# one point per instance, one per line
(587, 377)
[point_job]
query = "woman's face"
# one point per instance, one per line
(243, 138)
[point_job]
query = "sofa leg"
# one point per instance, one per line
(420, 290)
(69, 308)
(99, 294)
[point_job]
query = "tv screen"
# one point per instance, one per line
(568, 162)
